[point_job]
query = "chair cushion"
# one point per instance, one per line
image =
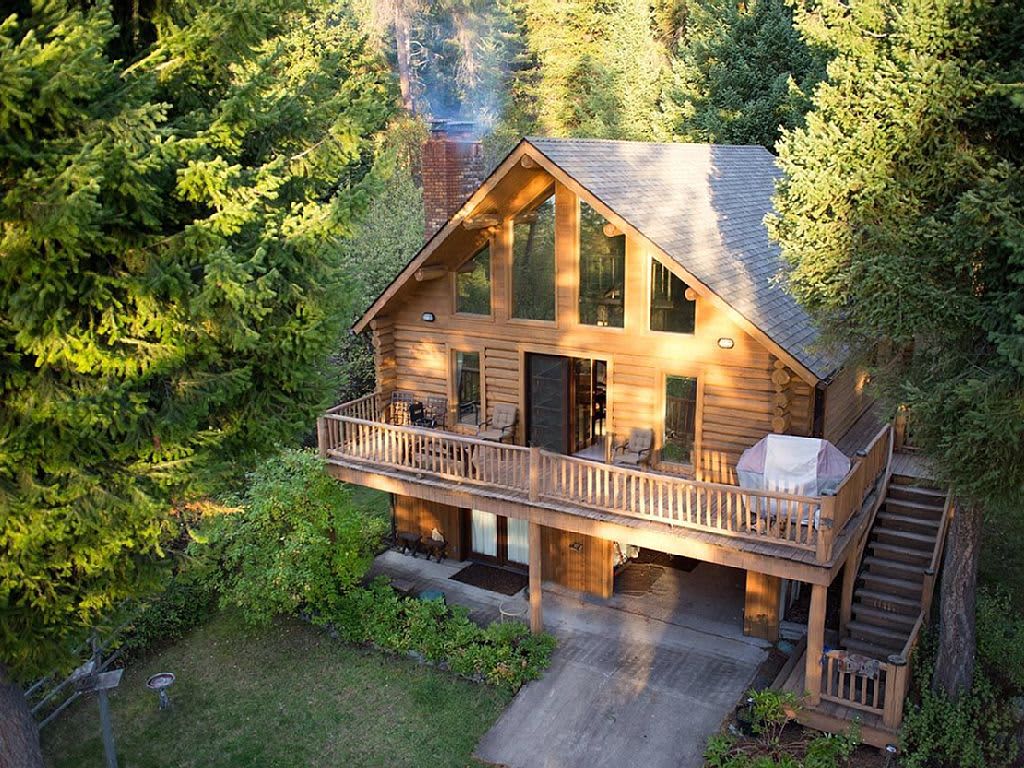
(491, 434)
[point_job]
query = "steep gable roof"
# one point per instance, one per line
(702, 205)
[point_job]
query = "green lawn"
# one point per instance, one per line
(286, 695)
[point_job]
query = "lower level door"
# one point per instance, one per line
(484, 533)
(518, 541)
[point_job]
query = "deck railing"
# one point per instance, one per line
(359, 431)
(884, 692)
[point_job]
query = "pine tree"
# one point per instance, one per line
(902, 214)
(742, 74)
(175, 196)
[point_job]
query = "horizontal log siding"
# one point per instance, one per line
(845, 402)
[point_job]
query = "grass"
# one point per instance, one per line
(284, 695)
(371, 500)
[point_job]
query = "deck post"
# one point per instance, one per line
(536, 610)
(826, 519)
(321, 436)
(761, 606)
(815, 643)
(896, 691)
(849, 580)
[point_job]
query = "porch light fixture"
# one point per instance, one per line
(726, 343)
(427, 317)
(576, 546)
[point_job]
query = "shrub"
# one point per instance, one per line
(505, 655)
(770, 712)
(296, 541)
(185, 603)
(1000, 633)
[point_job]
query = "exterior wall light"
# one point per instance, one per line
(427, 317)
(726, 343)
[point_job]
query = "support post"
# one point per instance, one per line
(106, 727)
(815, 643)
(536, 610)
(895, 691)
(849, 579)
(761, 606)
(321, 436)
(826, 520)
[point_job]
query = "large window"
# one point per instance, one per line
(533, 263)
(670, 309)
(467, 387)
(473, 284)
(602, 271)
(680, 419)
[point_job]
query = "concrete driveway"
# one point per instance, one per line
(624, 689)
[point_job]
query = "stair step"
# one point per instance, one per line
(880, 617)
(881, 636)
(887, 601)
(896, 568)
(902, 587)
(909, 539)
(904, 554)
(853, 645)
(913, 509)
(896, 522)
(919, 493)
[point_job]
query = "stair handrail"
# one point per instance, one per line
(928, 587)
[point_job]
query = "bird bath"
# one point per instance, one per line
(160, 682)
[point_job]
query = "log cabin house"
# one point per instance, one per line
(589, 292)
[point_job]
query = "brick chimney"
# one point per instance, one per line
(452, 168)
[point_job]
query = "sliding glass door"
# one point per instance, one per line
(501, 539)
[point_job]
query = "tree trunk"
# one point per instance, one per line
(19, 737)
(954, 667)
(402, 13)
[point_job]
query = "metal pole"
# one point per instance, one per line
(106, 727)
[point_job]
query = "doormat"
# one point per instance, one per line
(493, 579)
(676, 562)
(637, 578)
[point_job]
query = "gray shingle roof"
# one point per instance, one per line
(704, 205)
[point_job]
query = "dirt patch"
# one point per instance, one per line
(637, 578)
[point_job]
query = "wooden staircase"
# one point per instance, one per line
(891, 581)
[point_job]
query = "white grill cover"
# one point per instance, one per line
(804, 466)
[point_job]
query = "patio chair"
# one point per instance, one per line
(636, 451)
(400, 402)
(437, 409)
(418, 416)
(502, 424)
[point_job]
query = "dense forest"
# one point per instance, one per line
(198, 198)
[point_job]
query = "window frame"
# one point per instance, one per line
(489, 244)
(578, 276)
(549, 192)
(649, 286)
(453, 385)
(689, 467)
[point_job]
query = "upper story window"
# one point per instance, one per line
(533, 263)
(473, 284)
(602, 272)
(671, 310)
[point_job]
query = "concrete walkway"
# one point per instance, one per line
(635, 681)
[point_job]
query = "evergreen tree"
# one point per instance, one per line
(174, 200)
(902, 214)
(742, 74)
(598, 72)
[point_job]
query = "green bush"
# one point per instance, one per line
(186, 602)
(1000, 632)
(296, 541)
(505, 655)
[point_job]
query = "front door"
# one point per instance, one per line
(548, 402)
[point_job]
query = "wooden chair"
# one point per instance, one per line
(418, 416)
(502, 424)
(636, 451)
(400, 402)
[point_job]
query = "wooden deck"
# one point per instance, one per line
(358, 440)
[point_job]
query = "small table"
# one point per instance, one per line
(512, 610)
(433, 547)
(409, 542)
